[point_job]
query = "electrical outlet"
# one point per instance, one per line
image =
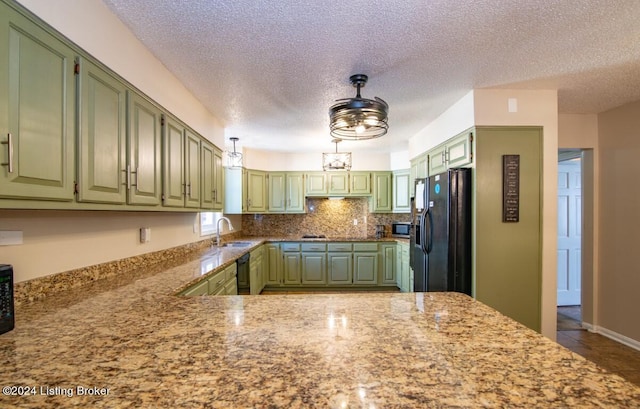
(355, 222)
(145, 235)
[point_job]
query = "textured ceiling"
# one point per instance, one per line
(271, 69)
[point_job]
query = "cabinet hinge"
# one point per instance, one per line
(75, 188)
(161, 120)
(471, 136)
(76, 68)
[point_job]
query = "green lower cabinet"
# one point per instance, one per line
(256, 272)
(273, 271)
(291, 268)
(314, 270)
(402, 268)
(388, 272)
(365, 268)
(201, 288)
(340, 268)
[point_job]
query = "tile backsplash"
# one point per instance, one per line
(333, 218)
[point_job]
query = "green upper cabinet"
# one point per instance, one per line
(144, 150)
(360, 183)
(192, 170)
(36, 111)
(382, 198)
(437, 160)
(286, 192)
(295, 192)
(101, 135)
(419, 166)
(173, 162)
(256, 191)
(401, 191)
(338, 183)
(316, 184)
(181, 165)
(277, 201)
(456, 152)
(212, 177)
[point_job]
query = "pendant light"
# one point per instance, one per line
(337, 160)
(233, 159)
(358, 118)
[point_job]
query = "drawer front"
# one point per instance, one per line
(230, 272)
(216, 281)
(314, 246)
(339, 247)
(365, 246)
(290, 246)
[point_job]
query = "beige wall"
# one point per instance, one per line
(284, 161)
(618, 281)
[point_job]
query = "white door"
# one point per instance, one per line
(569, 232)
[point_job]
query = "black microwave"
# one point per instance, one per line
(401, 229)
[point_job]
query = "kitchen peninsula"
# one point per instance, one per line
(146, 347)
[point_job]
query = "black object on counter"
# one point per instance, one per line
(314, 236)
(7, 319)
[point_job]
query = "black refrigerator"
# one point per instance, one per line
(441, 233)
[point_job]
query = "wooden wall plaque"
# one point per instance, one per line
(510, 188)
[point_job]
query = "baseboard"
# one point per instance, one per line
(632, 343)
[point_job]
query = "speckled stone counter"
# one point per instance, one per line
(128, 342)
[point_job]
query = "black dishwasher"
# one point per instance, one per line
(7, 320)
(243, 274)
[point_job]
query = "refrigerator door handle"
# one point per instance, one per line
(429, 244)
(423, 231)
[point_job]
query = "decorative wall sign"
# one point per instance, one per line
(510, 188)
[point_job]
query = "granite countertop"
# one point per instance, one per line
(130, 342)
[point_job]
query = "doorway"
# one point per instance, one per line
(569, 281)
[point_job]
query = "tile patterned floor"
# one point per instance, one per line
(609, 354)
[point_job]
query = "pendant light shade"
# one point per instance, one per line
(359, 118)
(337, 160)
(233, 159)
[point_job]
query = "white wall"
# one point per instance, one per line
(455, 119)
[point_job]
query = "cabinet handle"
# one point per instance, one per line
(189, 190)
(215, 195)
(9, 162)
(135, 184)
(128, 170)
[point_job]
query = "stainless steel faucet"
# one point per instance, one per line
(218, 228)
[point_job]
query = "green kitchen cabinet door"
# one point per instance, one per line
(382, 192)
(273, 273)
(207, 176)
(277, 200)
(256, 191)
(294, 196)
(340, 268)
(201, 288)
(401, 187)
(437, 160)
(316, 184)
(192, 170)
(218, 172)
(37, 128)
(291, 268)
(388, 271)
(314, 270)
(101, 135)
(360, 183)
(173, 169)
(144, 151)
(211, 178)
(338, 183)
(459, 150)
(365, 268)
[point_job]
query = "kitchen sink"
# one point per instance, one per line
(237, 244)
